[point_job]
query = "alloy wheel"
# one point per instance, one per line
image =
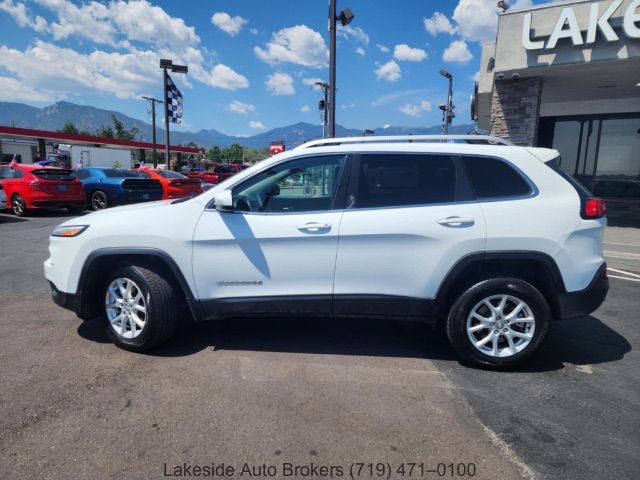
(126, 308)
(18, 205)
(501, 325)
(98, 201)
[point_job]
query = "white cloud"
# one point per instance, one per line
(254, 31)
(224, 77)
(280, 84)
(312, 82)
(439, 23)
(13, 90)
(256, 125)
(457, 52)
(360, 51)
(405, 52)
(305, 109)
(227, 23)
(240, 107)
(416, 110)
(300, 45)
(45, 67)
(19, 13)
(382, 48)
(392, 98)
(390, 71)
(356, 33)
(477, 20)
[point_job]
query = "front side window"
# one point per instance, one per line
(302, 185)
(389, 180)
(494, 178)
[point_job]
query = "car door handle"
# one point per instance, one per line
(456, 221)
(313, 227)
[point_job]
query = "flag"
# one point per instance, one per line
(78, 165)
(14, 161)
(142, 165)
(173, 102)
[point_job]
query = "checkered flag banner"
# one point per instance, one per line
(173, 99)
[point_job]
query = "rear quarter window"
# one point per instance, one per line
(495, 178)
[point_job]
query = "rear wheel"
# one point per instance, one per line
(98, 200)
(498, 322)
(139, 308)
(18, 205)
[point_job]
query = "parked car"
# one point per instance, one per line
(3, 198)
(202, 174)
(239, 166)
(224, 171)
(174, 184)
(106, 187)
(29, 186)
(489, 241)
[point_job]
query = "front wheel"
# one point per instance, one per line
(139, 308)
(18, 205)
(98, 200)
(498, 322)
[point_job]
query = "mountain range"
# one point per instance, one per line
(90, 119)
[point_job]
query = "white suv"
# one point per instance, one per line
(489, 240)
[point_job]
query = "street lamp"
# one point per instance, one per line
(346, 17)
(447, 109)
(168, 65)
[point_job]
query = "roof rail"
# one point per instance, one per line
(471, 139)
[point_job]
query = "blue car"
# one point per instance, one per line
(106, 187)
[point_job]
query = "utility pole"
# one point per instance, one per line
(153, 101)
(346, 17)
(447, 109)
(324, 106)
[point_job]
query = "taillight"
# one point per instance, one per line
(36, 185)
(593, 208)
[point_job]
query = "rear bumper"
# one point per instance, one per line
(70, 301)
(583, 302)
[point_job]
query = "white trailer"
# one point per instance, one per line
(97, 156)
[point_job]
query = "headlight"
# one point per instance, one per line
(69, 230)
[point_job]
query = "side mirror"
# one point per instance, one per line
(223, 200)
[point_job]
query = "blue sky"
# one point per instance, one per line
(252, 63)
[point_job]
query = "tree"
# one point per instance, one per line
(121, 132)
(213, 153)
(69, 127)
(105, 131)
(235, 153)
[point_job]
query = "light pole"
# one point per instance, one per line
(447, 109)
(168, 65)
(345, 17)
(153, 101)
(323, 106)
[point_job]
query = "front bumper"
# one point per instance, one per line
(583, 302)
(70, 301)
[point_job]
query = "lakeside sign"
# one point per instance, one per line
(567, 26)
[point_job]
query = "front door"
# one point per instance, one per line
(278, 246)
(410, 217)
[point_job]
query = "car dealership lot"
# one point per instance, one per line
(268, 391)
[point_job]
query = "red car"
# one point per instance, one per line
(174, 184)
(34, 186)
(224, 171)
(239, 166)
(202, 174)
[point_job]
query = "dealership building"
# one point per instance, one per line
(566, 75)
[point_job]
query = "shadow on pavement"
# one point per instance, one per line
(581, 341)
(5, 218)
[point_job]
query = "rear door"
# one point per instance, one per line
(409, 219)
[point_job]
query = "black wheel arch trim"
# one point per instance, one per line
(156, 253)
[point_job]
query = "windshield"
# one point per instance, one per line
(170, 174)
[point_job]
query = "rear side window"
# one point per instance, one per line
(51, 174)
(388, 180)
(82, 174)
(493, 178)
(121, 173)
(170, 174)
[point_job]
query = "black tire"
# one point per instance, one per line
(98, 200)
(456, 324)
(160, 318)
(18, 205)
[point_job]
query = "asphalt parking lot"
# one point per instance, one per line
(323, 392)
